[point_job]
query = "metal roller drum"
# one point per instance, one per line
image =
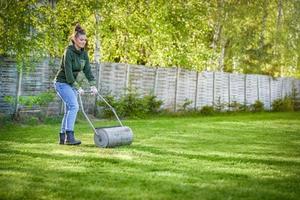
(112, 136)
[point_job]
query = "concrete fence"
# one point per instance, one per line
(174, 86)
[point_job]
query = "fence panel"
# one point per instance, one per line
(165, 89)
(113, 79)
(186, 87)
(276, 85)
(221, 88)
(251, 86)
(237, 88)
(8, 85)
(287, 87)
(205, 89)
(172, 85)
(264, 90)
(142, 79)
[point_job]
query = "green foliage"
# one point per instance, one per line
(41, 99)
(152, 104)
(27, 103)
(130, 105)
(237, 107)
(258, 106)
(19, 39)
(247, 37)
(283, 105)
(295, 98)
(207, 110)
(186, 105)
(219, 106)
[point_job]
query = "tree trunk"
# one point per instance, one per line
(18, 94)
(279, 15)
(222, 56)
(278, 29)
(97, 55)
(263, 27)
(216, 37)
(217, 32)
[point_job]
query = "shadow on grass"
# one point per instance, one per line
(217, 158)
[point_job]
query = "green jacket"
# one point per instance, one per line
(73, 62)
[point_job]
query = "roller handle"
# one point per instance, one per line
(82, 109)
(113, 110)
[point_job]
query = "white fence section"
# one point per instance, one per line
(174, 86)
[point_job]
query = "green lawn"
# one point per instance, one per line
(242, 156)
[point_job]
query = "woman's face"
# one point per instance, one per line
(80, 41)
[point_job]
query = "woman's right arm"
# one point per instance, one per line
(68, 67)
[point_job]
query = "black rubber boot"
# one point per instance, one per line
(62, 138)
(71, 139)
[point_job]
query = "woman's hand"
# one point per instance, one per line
(94, 90)
(80, 91)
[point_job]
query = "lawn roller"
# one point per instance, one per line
(111, 136)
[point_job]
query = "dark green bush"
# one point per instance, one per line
(41, 99)
(105, 110)
(185, 107)
(237, 107)
(258, 106)
(152, 104)
(283, 105)
(296, 100)
(219, 106)
(29, 103)
(207, 110)
(130, 105)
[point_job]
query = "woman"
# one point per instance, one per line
(74, 60)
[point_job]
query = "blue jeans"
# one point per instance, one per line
(68, 94)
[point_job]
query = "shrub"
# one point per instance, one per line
(296, 101)
(207, 110)
(219, 106)
(27, 103)
(185, 107)
(130, 105)
(105, 110)
(258, 106)
(237, 107)
(283, 105)
(152, 104)
(41, 99)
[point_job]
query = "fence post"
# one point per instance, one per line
(281, 89)
(196, 90)
(270, 91)
(229, 91)
(213, 90)
(176, 88)
(245, 90)
(97, 56)
(257, 85)
(155, 81)
(18, 92)
(127, 77)
(98, 73)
